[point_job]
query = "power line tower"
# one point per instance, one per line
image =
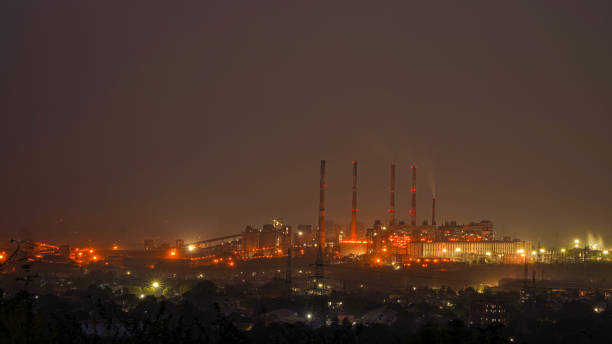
(288, 271)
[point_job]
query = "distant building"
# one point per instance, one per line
(149, 245)
(484, 312)
(268, 237)
(304, 235)
(250, 239)
(502, 251)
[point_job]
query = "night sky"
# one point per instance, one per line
(166, 119)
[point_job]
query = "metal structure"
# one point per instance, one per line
(317, 289)
(322, 187)
(413, 190)
(353, 234)
(392, 197)
(217, 241)
(319, 273)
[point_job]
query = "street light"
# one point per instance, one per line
(155, 284)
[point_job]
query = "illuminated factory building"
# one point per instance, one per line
(399, 241)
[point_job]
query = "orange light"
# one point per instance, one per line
(378, 260)
(231, 264)
(1, 256)
(115, 247)
(172, 253)
(95, 257)
(80, 254)
(90, 251)
(384, 249)
(355, 242)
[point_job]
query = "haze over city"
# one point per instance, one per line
(197, 119)
(306, 172)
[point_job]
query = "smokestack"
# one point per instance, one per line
(392, 196)
(413, 208)
(353, 235)
(322, 187)
(433, 211)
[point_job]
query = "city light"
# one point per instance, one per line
(519, 251)
(458, 249)
(115, 247)
(172, 253)
(562, 250)
(605, 252)
(142, 296)
(309, 316)
(443, 250)
(488, 253)
(533, 253)
(191, 247)
(155, 284)
(542, 250)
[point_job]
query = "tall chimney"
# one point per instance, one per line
(322, 187)
(392, 196)
(413, 190)
(433, 211)
(353, 235)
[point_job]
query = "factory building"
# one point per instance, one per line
(250, 239)
(461, 250)
(272, 238)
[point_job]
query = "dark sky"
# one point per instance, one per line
(167, 119)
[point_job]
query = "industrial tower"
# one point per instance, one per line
(392, 197)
